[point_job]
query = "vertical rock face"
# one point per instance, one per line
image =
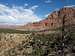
(69, 14)
(54, 20)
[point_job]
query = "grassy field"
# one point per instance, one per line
(12, 31)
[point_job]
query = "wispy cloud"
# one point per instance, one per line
(25, 4)
(34, 7)
(46, 15)
(70, 6)
(17, 15)
(48, 1)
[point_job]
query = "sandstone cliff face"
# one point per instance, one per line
(68, 14)
(54, 20)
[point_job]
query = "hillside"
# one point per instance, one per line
(53, 21)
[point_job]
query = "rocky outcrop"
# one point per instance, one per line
(54, 20)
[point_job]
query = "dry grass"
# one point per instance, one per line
(9, 41)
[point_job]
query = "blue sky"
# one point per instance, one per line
(24, 11)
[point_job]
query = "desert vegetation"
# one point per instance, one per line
(17, 44)
(9, 42)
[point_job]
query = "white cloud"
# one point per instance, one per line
(17, 15)
(70, 6)
(48, 1)
(46, 15)
(26, 4)
(34, 7)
